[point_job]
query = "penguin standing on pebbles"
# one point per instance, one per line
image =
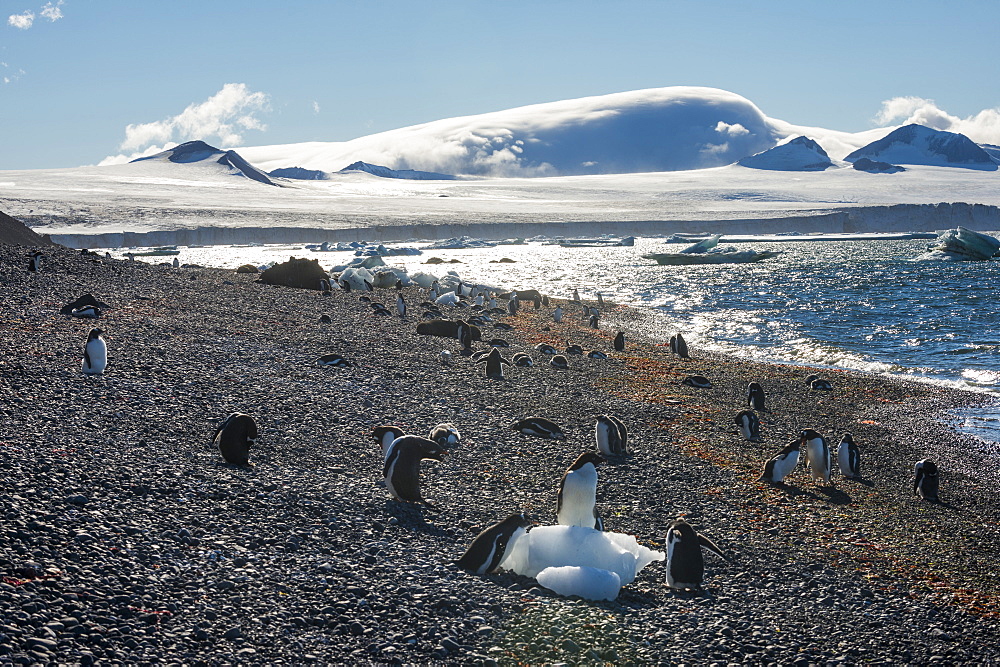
(577, 499)
(782, 464)
(557, 314)
(611, 435)
(486, 551)
(95, 353)
(494, 364)
(679, 346)
(749, 425)
(925, 480)
(817, 455)
(401, 306)
(685, 563)
(849, 457)
(234, 437)
(620, 342)
(402, 466)
(755, 397)
(35, 262)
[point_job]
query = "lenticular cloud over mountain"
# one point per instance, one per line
(660, 129)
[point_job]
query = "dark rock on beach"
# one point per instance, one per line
(302, 273)
(126, 539)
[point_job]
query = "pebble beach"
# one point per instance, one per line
(128, 540)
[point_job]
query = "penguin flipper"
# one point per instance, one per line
(710, 545)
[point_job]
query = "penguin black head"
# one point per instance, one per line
(94, 334)
(808, 434)
(587, 457)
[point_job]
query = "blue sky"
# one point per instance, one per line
(74, 74)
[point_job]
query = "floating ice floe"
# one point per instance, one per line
(961, 244)
(461, 243)
(554, 548)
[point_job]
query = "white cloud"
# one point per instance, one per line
(315, 106)
(122, 158)
(734, 130)
(52, 12)
(222, 117)
(21, 21)
(983, 127)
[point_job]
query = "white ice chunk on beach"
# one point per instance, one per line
(574, 546)
(422, 279)
(357, 276)
(447, 299)
(961, 244)
(589, 583)
(386, 277)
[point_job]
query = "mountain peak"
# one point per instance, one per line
(919, 144)
(799, 154)
(199, 151)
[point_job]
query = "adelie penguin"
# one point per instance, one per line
(685, 563)
(611, 435)
(679, 346)
(749, 425)
(539, 427)
(522, 359)
(782, 464)
(559, 361)
(402, 467)
(335, 360)
(849, 457)
(577, 499)
(817, 451)
(35, 262)
(95, 353)
(620, 342)
(234, 437)
(925, 480)
(400, 306)
(486, 551)
(755, 397)
(494, 364)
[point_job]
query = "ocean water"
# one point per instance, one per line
(863, 305)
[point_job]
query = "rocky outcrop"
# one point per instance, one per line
(15, 232)
(302, 273)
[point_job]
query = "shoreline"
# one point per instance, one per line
(172, 556)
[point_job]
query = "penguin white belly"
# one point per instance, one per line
(389, 475)
(97, 353)
(844, 460)
(679, 568)
(579, 495)
(783, 466)
(603, 434)
(819, 460)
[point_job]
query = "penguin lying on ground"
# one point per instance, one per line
(611, 435)
(925, 480)
(559, 361)
(816, 383)
(849, 457)
(539, 427)
(545, 348)
(402, 467)
(234, 437)
(577, 499)
(334, 359)
(487, 550)
(685, 563)
(596, 354)
(446, 435)
(697, 381)
(782, 464)
(522, 359)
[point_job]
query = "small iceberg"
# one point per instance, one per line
(461, 243)
(961, 245)
(552, 549)
(705, 252)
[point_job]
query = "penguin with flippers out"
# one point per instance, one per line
(685, 563)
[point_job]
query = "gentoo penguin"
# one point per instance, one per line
(401, 306)
(620, 342)
(35, 262)
(445, 434)
(559, 361)
(749, 425)
(488, 549)
(95, 353)
(498, 342)
(817, 455)
(597, 354)
(234, 438)
(576, 295)
(87, 312)
(176, 263)
(557, 314)
(611, 435)
(539, 427)
(755, 397)
(782, 464)
(385, 436)
(402, 466)
(344, 285)
(595, 322)
(817, 383)
(334, 359)
(925, 480)
(513, 304)
(494, 364)
(849, 457)
(685, 564)
(545, 348)
(522, 359)
(575, 505)
(574, 349)
(698, 381)
(679, 346)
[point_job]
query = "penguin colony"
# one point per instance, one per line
(576, 498)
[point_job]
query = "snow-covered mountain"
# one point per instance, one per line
(386, 172)
(993, 151)
(917, 144)
(199, 152)
(799, 154)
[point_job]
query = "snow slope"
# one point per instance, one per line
(198, 151)
(917, 144)
(799, 154)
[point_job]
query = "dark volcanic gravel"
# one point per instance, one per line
(126, 538)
